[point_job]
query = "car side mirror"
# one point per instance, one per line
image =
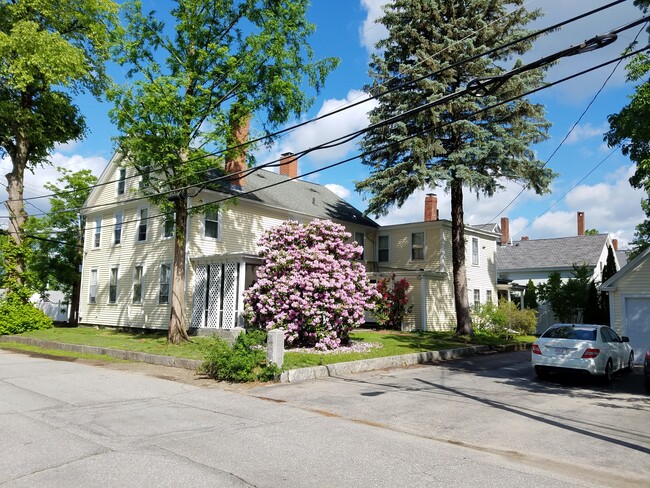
(625, 339)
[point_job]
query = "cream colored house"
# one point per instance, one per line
(629, 303)
(128, 253)
(421, 252)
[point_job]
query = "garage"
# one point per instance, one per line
(629, 303)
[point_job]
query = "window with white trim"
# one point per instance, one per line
(169, 225)
(212, 224)
(477, 298)
(145, 177)
(137, 284)
(360, 239)
(121, 181)
(98, 232)
(92, 286)
(488, 296)
(142, 224)
(474, 251)
(417, 246)
(112, 285)
(117, 229)
(165, 281)
(383, 247)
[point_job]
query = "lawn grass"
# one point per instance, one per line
(393, 343)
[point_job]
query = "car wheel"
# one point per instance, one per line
(542, 374)
(630, 363)
(609, 372)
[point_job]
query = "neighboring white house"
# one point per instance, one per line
(535, 259)
(629, 303)
(421, 253)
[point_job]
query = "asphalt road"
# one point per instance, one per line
(483, 421)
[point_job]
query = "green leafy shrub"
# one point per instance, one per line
(242, 362)
(392, 303)
(17, 317)
(504, 319)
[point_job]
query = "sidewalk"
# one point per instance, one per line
(289, 376)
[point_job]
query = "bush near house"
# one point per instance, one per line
(392, 304)
(17, 317)
(504, 319)
(311, 285)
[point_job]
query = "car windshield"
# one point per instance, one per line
(570, 333)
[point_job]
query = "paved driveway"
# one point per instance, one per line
(466, 423)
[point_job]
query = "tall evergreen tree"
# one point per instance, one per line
(194, 83)
(530, 298)
(608, 271)
(450, 144)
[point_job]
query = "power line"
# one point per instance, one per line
(602, 87)
(371, 97)
(424, 131)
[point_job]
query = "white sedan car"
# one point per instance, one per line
(594, 349)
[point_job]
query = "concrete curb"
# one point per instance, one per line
(142, 357)
(351, 367)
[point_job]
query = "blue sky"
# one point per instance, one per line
(346, 29)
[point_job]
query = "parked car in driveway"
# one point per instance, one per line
(593, 349)
(646, 370)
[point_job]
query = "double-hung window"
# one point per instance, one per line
(137, 284)
(142, 224)
(145, 177)
(112, 286)
(165, 281)
(488, 296)
(417, 246)
(474, 251)
(121, 181)
(477, 298)
(92, 288)
(212, 224)
(98, 232)
(169, 225)
(383, 243)
(117, 230)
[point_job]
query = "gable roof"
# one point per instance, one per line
(611, 283)
(296, 196)
(562, 252)
(487, 227)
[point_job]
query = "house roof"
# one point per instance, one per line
(621, 256)
(562, 252)
(487, 227)
(611, 283)
(297, 196)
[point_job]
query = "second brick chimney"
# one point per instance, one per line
(289, 165)
(430, 207)
(615, 244)
(236, 159)
(505, 231)
(581, 223)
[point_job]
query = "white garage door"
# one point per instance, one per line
(636, 325)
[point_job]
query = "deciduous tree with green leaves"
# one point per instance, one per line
(460, 143)
(49, 50)
(57, 238)
(630, 129)
(194, 83)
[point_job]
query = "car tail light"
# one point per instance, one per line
(590, 353)
(536, 349)
(647, 354)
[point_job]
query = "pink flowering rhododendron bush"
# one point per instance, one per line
(310, 285)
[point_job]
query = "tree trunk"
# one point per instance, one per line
(74, 302)
(177, 331)
(16, 208)
(461, 299)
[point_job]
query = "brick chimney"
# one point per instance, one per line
(524, 238)
(505, 231)
(615, 244)
(581, 223)
(236, 159)
(430, 207)
(289, 165)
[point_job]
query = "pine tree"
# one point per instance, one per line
(450, 144)
(608, 271)
(530, 298)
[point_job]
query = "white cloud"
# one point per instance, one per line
(339, 190)
(371, 31)
(586, 131)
